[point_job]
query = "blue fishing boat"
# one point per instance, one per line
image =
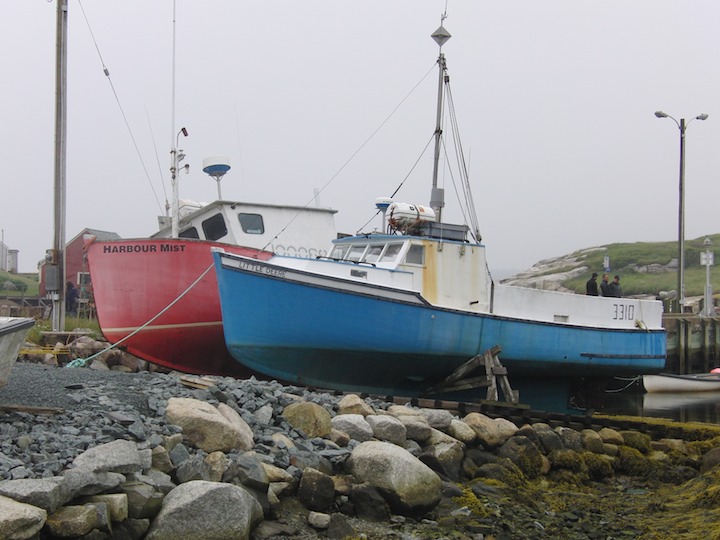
(395, 312)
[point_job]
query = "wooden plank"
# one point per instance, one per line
(30, 409)
(513, 396)
(196, 382)
(55, 351)
(492, 391)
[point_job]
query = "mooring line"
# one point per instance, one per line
(81, 362)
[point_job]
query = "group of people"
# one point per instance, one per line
(606, 288)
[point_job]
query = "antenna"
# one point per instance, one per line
(216, 167)
(382, 204)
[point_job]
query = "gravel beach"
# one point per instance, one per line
(501, 482)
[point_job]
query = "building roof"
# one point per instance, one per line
(100, 235)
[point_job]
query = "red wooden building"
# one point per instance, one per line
(76, 269)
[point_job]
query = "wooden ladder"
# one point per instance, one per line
(494, 371)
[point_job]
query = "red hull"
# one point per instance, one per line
(134, 280)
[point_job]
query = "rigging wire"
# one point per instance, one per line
(82, 362)
(422, 153)
(462, 166)
(239, 143)
(157, 156)
(106, 71)
(352, 156)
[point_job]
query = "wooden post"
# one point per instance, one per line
(681, 345)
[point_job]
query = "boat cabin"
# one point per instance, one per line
(428, 264)
(286, 230)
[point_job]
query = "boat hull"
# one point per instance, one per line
(320, 331)
(135, 280)
(12, 335)
(667, 382)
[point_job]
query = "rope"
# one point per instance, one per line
(402, 183)
(82, 362)
(352, 156)
(106, 71)
(628, 385)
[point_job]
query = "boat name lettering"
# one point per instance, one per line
(624, 312)
(143, 248)
(261, 269)
(171, 248)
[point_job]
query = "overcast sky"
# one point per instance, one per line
(555, 101)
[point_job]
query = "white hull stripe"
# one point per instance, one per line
(317, 280)
(164, 327)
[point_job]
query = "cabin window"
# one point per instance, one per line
(373, 253)
(338, 252)
(214, 227)
(391, 252)
(355, 253)
(415, 255)
(189, 233)
(252, 223)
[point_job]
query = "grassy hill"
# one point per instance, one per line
(643, 267)
(18, 285)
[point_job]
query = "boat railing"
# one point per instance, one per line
(335, 259)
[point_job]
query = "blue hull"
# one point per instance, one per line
(321, 336)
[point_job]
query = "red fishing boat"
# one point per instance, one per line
(158, 297)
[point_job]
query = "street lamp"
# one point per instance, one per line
(707, 258)
(681, 206)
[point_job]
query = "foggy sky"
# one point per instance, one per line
(555, 102)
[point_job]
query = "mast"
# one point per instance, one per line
(55, 259)
(176, 154)
(437, 195)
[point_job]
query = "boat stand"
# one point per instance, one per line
(494, 370)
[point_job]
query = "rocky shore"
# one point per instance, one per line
(156, 456)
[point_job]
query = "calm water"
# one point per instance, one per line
(682, 407)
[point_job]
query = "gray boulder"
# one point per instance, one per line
(204, 426)
(206, 511)
(316, 490)
(19, 521)
(409, 486)
(387, 428)
(491, 432)
(118, 456)
(309, 417)
(44, 493)
(354, 425)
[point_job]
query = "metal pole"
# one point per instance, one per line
(437, 197)
(708, 292)
(681, 222)
(174, 149)
(175, 193)
(708, 259)
(58, 312)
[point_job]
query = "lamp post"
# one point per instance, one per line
(682, 126)
(707, 258)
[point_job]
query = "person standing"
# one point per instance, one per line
(71, 298)
(615, 288)
(591, 287)
(605, 286)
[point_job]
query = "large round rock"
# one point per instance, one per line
(409, 486)
(200, 510)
